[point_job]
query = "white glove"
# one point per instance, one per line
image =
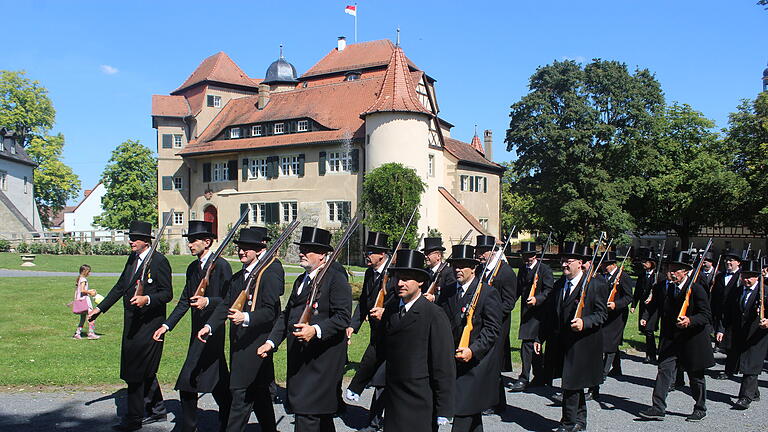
(442, 421)
(351, 396)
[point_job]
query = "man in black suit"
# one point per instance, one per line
(441, 275)
(417, 345)
(503, 279)
(477, 351)
(376, 257)
(316, 350)
(642, 297)
(684, 339)
(142, 315)
(531, 312)
(574, 342)
(725, 282)
(707, 275)
(746, 334)
(258, 287)
(205, 368)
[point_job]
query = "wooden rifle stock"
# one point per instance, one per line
(762, 294)
(468, 327)
(145, 265)
(694, 277)
(535, 283)
(433, 287)
(588, 277)
(615, 288)
(211, 263)
(714, 273)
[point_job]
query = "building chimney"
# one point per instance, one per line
(263, 95)
(87, 192)
(488, 143)
(341, 43)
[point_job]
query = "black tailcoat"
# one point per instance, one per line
(446, 282)
(719, 294)
(691, 345)
(205, 363)
(140, 354)
(246, 367)
(316, 367)
(477, 381)
(505, 283)
(644, 288)
(576, 357)
(745, 341)
(616, 320)
(531, 316)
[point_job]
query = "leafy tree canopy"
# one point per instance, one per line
(24, 106)
(54, 182)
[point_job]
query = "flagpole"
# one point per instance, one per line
(355, 22)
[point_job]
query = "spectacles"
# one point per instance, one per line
(568, 262)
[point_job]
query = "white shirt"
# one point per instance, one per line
(533, 264)
(574, 283)
(203, 259)
(139, 261)
(465, 287)
(246, 272)
(729, 276)
(318, 331)
(436, 267)
(410, 303)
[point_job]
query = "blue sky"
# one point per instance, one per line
(102, 60)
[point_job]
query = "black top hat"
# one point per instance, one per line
(681, 258)
(432, 243)
(764, 261)
(463, 253)
(609, 257)
(485, 242)
(200, 229)
(262, 232)
(710, 256)
(572, 249)
(316, 237)
(527, 248)
(750, 268)
(731, 253)
(377, 241)
(140, 228)
(252, 236)
(646, 254)
(411, 260)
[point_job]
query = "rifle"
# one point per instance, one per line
(535, 283)
(306, 315)
(762, 293)
(384, 273)
(498, 257)
(614, 289)
(433, 287)
(267, 258)
(746, 252)
(211, 264)
(687, 302)
(714, 273)
(588, 277)
(148, 260)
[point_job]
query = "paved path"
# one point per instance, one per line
(22, 411)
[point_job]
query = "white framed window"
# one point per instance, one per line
(177, 141)
(178, 218)
(2, 143)
(431, 166)
(217, 101)
(302, 126)
(178, 183)
(13, 148)
(278, 128)
(290, 211)
(258, 213)
(289, 165)
(257, 168)
(234, 132)
(339, 211)
(3, 180)
(220, 171)
(339, 162)
(256, 130)
(193, 215)
(484, 223)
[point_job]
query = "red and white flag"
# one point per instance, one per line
(352, 10)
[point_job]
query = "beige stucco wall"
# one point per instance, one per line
(479, 204)
(207, 114)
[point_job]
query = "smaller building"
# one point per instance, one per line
(80, 217)
(18, 210)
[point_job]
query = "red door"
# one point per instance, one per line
(211, 215)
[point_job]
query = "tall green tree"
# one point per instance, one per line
(54, 182)
(691, 185)
(747, 140)
(24, 106)
(130, 179)
(581, 136)
(390, 193)
(517, 207)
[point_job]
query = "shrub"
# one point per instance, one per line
(111, 248)
(177, 249)
(163, 246)
(5, 245)
(23, 247)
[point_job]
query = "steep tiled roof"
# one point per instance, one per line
(355, 57)
(464, 152)
(462, 210)
(218, 68)
(21, 155)
(475, 144)
(398, 92)
(170, 106)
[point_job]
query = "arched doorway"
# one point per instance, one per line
(210, 214)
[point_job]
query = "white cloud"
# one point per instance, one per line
(109, 70)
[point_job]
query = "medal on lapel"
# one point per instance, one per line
(314, 308)
(149, 277)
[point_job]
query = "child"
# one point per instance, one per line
(81, 289)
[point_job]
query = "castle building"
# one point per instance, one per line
(290, 146)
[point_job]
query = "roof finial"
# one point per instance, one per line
(398, 37)
(281, 51)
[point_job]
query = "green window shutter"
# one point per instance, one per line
(245, 169)
(321, 163)
(167, 140)
(301, 165)
(273, 213)
(206, 172)
(355, 162)
(232, 168)
(346, 211)
(210, 101)
(245, 207)
(165, 217)
(275, 166)
(167, 183)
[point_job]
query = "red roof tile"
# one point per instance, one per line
(398, 92)
(218, 68)
(464, 152)
(475, 144)
(170, 106)
(462, 210)
(355, 57)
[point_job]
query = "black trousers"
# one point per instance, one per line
(748, 387)
(376, 413)
(650, 344)
(664, 376)
(574, 408)
(471, 423)
(253, 398)
(314, 423)
(531, 362)
(144, 396)
(189, 407)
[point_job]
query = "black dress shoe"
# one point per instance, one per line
(615, 373)
(652, 413)
(557, 398)
(742, 403)
(593, 394)
(697, 415)
(154, 418)
(647, 360)
(125, 427)
(756, 398)
(564, 428)
(517, 387)
(721, 376)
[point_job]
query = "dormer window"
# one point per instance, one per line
(352, 76)
(279, 128)
(214, 101)
(256, 130)
(302, 126)
(234, 132)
